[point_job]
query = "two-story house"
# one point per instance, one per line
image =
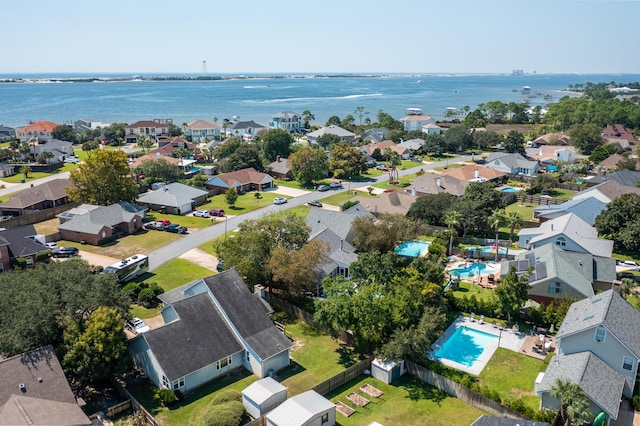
(598, 350)
(41, 130)
(287, 120)
(153, 129)
(415, 120)
(212, 326)
(202, 131)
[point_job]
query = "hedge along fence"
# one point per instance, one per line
(343, 377)
(456, 390)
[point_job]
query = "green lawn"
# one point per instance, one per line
(404, 182)
(142, 242)
(526, 210)
(513, 376)
(246, 202)
(18, 177)
(468, 290)
(406, 401)
(342, 197)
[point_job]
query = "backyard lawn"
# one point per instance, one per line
(406, 401)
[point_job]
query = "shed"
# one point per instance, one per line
(263, 396)
(387, 370)
(307, 409)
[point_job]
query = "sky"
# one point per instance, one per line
(155, 37)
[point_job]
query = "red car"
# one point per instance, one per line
(165, 222)
(390, 190)
(216, 212)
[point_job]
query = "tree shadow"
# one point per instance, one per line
(347, 355)
(290, 371)
(418, 390)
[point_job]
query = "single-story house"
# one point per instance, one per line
(343, 134)
(395, 202)
(513, 164)
(202, 131)
(607, 191)
(552, 139)
(369, 149)
(434, 183)
(587, 209)
(154, 157)
(244, 180)
(7, 170)
(559, 274)
(170, 146)
(262, 396)
(611, 162)
(173, 198)
(41, 130)
(548, 154)
(220, 325)
(19, 243)
(44, 196)
(432, 129)
(413, 145)
(473, 173)
(624, 177)
(102, 223)
(598, 350)
(306, 409)
(341, 223)
(568, 232)
(280, 169)
(36, 392)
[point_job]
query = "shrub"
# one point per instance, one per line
(106, 240)
(226, 414)
(132, 290)
(19, 262)
(348, 204)
(146, 297)
(43, 255)
(167, 396)
(226, 395)
(635, 402)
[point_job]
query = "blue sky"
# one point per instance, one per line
(283, 36)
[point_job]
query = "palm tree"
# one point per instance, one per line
(574, 404)
(452, 219)
(25, 170)
(627, 287)
(496, 220)
(514, 220)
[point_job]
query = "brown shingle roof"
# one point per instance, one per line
(243, 176)
(468, 172)
(51, 191)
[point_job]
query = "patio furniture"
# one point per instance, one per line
(357, 399)
(371, 391)
(344, 409)
(472, 317)
(481, 319)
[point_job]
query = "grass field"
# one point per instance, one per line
(245, 203)
(342, 197)
(142, 242)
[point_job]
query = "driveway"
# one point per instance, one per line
(97, 259)
(285, 190)
(201, 258)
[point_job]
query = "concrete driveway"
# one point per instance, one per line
(97, 259)
(285, 190)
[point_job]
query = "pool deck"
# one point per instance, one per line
(483, 278)
(507, 339)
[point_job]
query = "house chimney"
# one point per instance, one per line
(439, 182)
(259, 289)
(477, 174)
(278, 158)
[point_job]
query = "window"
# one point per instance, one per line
(223, 363)
(177, 384)
(560, 241)
(601, 334)
(555, 287)
(165, 382)
(325, 418)
(248, 357)
(627, 363)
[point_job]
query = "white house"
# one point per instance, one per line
(568, 232)
(514, 164)
(41, 130)
(550, 153)
(202, 131)
(287, 120)
(599, 350)
(211, 327)
(153, 129)
(415, 121)
(343, 134)
(262, 396)
(306, 409)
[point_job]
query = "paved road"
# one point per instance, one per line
(188, 242)
(10, 188)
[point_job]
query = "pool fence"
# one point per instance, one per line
(463, 393)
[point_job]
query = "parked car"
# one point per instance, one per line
(176, 229)
(335, 185)
(156, 225)
(279, 200)
(52, 246)
(66, 252)
(165, 222)
(389, 190)
(202, 213)
(216, 212)
(72, 160)
(315, 203)
(323, 188)
(137, 326)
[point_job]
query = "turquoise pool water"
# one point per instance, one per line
(412, 248)
(488, 249)
(509, 189)
(465, 345)
(471, 270)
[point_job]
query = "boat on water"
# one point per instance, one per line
(548, 97)
(526, 101)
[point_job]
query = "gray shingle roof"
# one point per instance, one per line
(247, 314)
(512, 160)
(19, 243)
(339, 222)
(485, 420)
(339, 252)
(53, 190)
(586, 209)
(609, 309)
(94, 220)
(174, 194)
(199, 338)
(602, 384)
(625, 177)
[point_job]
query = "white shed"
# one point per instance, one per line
(307, 409)
(263, 396)
(387, 370)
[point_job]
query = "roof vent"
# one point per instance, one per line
(22, 387)
(587, 318)
(596, 300)
(39, 379)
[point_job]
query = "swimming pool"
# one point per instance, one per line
(465, 346)
(471, 270)
(412, 248)
(488, 249)
(510, 189)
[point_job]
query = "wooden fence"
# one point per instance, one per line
(119, 408)
(36, 216)
(135, 405)
(260, 421)
(343, 377)
(457, 390)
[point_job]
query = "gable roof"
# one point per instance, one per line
(174, 194)
(94, 220)
(624, 177)
(201, 332)
(576, 229)
(546, 153)
(611, 162)
(611, 189)
(413, 144)
(39, 126)
(332, 130)
(241, 177)
(49, 191)
(202, 125)
(609, 309)
(377, 134)
(433, 183)
(338, 222)
(601, 383)
(261, 390)
(47, 397)
(19, 243)
(552, 139)
(473, 173)
(372, 146)
(340, 251)
(586, 209)
(298, 409)
(247, 314)
(511, 160)
(241, 125)
(396, 202)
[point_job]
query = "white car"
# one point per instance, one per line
(202, 213)
(138, 326)
(52, 246)
(279, 200)
(72, 160)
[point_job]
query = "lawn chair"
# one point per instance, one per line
(472, 317)
(481, 319)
